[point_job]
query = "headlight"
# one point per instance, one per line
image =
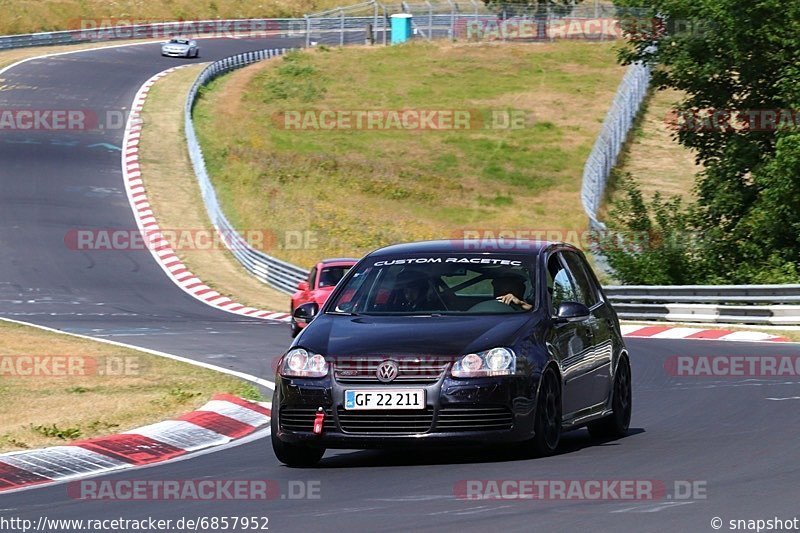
(494, 362)
(299, 363)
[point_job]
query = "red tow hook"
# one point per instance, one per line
(319, 420)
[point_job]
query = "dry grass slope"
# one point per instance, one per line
(357, 190)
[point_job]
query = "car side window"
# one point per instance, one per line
(312, 279)
(559, 283)
(585, 293)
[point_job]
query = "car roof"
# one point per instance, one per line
(331, 261)
(498, 246)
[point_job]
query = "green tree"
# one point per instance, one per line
(741, 57)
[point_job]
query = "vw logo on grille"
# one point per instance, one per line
(387, 371)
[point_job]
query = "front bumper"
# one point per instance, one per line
(175, 53)
(475, 411)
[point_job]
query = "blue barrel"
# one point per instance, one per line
(401, 28)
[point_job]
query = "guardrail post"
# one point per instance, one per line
(375, 20)
(308, 30)
(430, 20)
(452, 20)
(341, 27)
(385, 22)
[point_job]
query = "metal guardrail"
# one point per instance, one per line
(279, 274)
(742, 304)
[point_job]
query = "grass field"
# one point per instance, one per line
(654, 157)
(28, 16)
(356, 189)
(109, 390)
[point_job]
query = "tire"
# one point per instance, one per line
(615, 425)
(196, 52)
(291, 454)
(547, 420)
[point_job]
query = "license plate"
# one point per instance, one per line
(384, 399)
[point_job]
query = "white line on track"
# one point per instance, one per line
(248, 377)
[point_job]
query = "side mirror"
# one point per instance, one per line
(302, 286)
(572, 312)
(305, 313)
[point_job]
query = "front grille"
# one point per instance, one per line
(302, 419)
(389, 421)
(474, 419)
(410, 369)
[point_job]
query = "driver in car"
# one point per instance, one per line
(415, 295)
(510, 290)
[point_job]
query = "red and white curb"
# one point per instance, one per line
(160, 248)
(223, 419)
(680, 332)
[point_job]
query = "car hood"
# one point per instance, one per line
(338, 336)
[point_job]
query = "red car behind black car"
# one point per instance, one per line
(319, 285)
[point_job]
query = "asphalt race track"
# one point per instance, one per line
(735, 438)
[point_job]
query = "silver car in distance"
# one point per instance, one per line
(178, 47)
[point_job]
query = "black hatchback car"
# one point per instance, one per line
(454, 342)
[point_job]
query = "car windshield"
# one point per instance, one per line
(179, 41)
(438, 284)
(330, 276)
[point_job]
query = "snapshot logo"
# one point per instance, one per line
(402, 119)
(579, 489)
(733, 120)
(72, 120)
(193, 489)
(130, 28)
(38, 366)
(118, 239)
(733, 366)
